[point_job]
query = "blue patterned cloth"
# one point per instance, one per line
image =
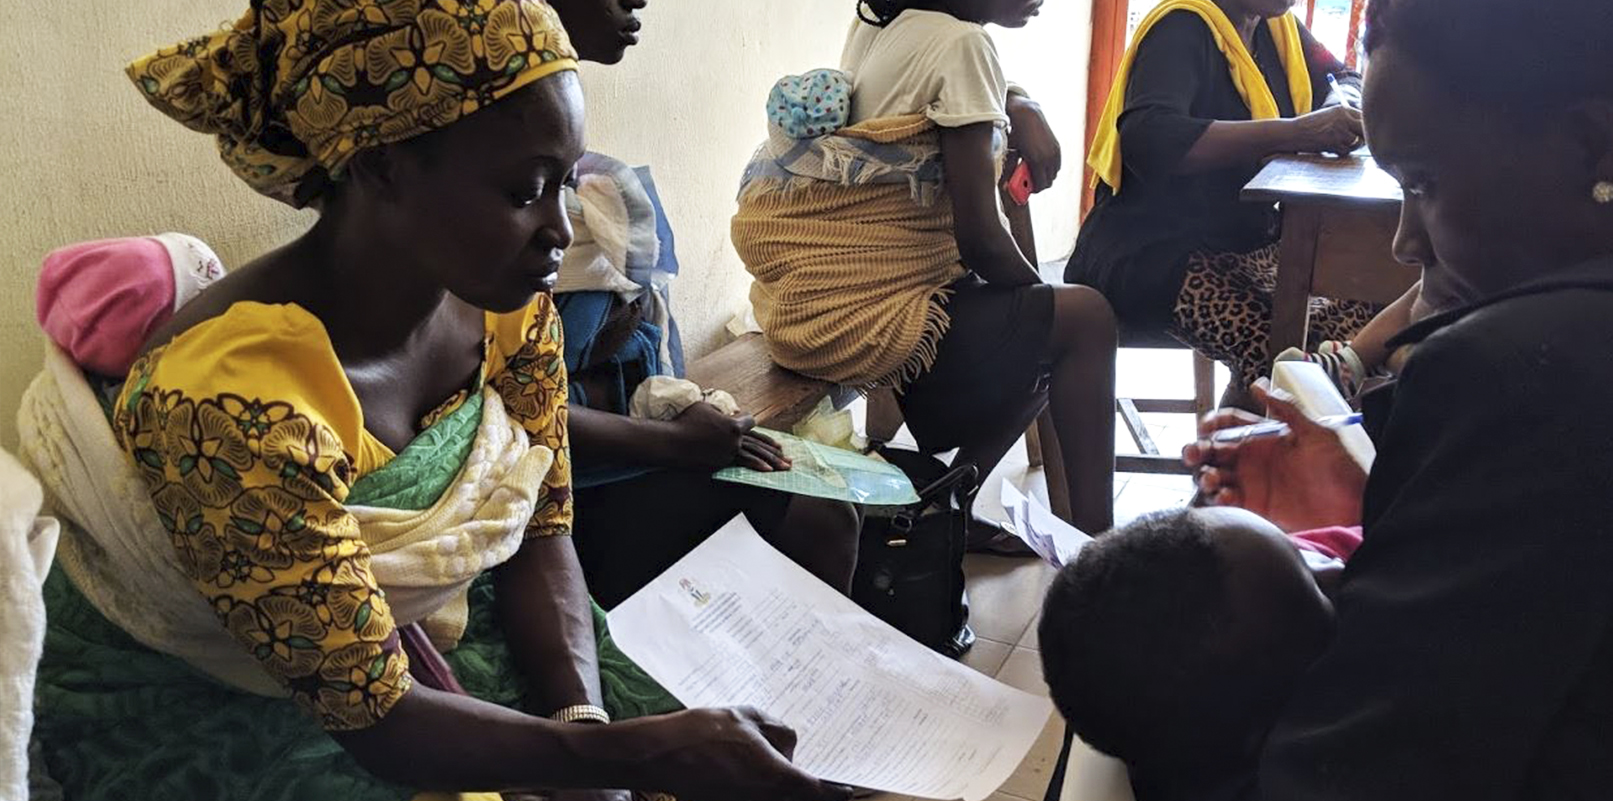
(811, 105)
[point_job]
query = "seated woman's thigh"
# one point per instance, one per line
(628, 532)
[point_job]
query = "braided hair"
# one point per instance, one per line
(880, 13)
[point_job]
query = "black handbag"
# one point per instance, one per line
(910, 561)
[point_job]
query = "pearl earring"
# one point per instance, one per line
(1603, 192)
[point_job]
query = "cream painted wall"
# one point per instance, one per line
(82, 156)
(688, 102)
(1049, 58)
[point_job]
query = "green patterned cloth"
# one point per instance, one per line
(120, 721)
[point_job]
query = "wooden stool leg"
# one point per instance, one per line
(1296, 269)
(1033, 445)
(1203, 384)
(884, 416)
(1058, 483)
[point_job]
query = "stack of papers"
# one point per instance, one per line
(1052, 539)
(736, 623)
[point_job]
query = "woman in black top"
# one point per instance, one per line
(1473, 654)
(1176, 250)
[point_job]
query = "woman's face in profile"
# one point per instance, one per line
(1494, 196)
(480, 201)
(1007, 13)
(601, 30)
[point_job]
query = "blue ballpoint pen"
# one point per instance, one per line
(1273, 428)
(1333, 87)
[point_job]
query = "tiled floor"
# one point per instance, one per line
(1005, 595)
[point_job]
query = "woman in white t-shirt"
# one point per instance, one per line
(1013, 341)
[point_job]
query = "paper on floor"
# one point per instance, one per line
(1051, 538)
(735, 623)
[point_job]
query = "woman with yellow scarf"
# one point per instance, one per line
(434, 137)
(1207, 91)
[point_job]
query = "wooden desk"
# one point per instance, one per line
(1339, 221)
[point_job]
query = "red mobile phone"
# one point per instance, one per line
(1020, 186)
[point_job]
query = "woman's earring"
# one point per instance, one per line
(1603, 192)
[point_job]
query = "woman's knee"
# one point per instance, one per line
(834, 523)
(822, 536)
(1082, 317)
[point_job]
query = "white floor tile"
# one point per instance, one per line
(987, 656)
(1141, 498)
(1031, 778)
(1005, 595)
(1149, 481)
(1031, 639)
(1023, 670)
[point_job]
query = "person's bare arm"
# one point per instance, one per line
(1335, 129)
(549, 624)
(433, 740)
(702, 438)
(1031, 136)
(984, 243)
(1163, 132)
(1372, 342)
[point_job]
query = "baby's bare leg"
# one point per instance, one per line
(1371, 344)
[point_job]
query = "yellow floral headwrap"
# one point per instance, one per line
(297, 87)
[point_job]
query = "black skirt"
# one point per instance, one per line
(990, 362)
(628, 532)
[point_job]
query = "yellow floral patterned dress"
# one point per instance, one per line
(250, 437)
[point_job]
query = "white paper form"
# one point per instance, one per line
(1316, 396)
(1052, 539)
(736, 623)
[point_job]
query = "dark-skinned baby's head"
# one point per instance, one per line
(1172, 643)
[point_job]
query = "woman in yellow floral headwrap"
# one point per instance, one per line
(434, 137)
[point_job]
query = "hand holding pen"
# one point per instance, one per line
(1277, 428)
(1348, 96)
(1299, 477)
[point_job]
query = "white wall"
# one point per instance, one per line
(689, 102)
(1049, 58)
(82, 156)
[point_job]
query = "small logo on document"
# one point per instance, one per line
(700, 597)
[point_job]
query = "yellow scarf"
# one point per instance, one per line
(1105, 156)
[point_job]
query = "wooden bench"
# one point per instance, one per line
(777, 397)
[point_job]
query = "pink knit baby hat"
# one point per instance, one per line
(99, 301)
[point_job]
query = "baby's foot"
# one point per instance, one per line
(1340, 361)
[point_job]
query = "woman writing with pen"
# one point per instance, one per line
(1472, 653)
(1207, 91)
